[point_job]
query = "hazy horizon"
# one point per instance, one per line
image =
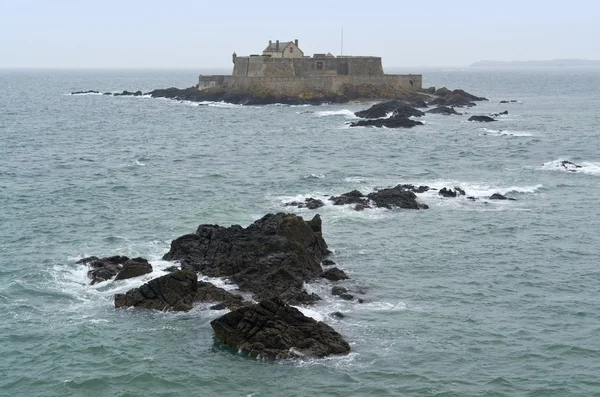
(193, 35)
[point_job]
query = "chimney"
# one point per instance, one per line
(277, 46)
(270, 44)
(296, 42)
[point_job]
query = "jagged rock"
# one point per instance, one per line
(334, 274)
(391, 122)
(455, 98)
(420, 104)
(171, 269)
(361, 207)
(133, 268)
(499, 114)
(273, 256)
(353, 197)
(498, 196)
(103, 269)
(85, 92)
(337, 315)
(327, 262)
(445, 192)
(395, 197)
(208, 292)
(128, 93)
(310, 203)
(175, 291)
(337, 290)
(396, 108)
(569, 165)
(482, 119)
(445, 110)
(272, 329)
(415, 189)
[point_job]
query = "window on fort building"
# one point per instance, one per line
(291, 49)
(319, 65)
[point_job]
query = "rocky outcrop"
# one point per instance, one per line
(395, 108)
(103, 269)
(570, 166)
(273, 257)
(208, 292)
(445, 110)
(85, 92)
(505, 113)
(128, 93)
(342, 293)
(498, 196)
(396, 197)
(391, 122)
(310, 203)
(482, 119)
(133, 268)
(272, 329)
(455, 98)
(445, 192)
(353, 197)
(334, 274)
(175, 291)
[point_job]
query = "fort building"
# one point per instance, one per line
(283, 69)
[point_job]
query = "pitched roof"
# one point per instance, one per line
(273, 46)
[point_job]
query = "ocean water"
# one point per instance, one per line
(464, 299)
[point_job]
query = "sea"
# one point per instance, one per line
(466, 298)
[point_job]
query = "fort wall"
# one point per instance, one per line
(298, 86)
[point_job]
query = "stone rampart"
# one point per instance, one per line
(385, 84)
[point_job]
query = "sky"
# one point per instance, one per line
(204, 34)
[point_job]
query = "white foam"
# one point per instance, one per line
(344, 112)
(584, 167)
(489, 131)
(311, 313)
(314, 176)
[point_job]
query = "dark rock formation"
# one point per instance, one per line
(337, 315)
(445, 192)
(391, 122)
(498, 196)
(455, 98)
(171, 269)
(175, 291)
(327, 262)
(103, 269)
(396, 108)
(569, 165)
(334, 274)
(85, 92)
(415, 189)
(310, 203)
(133, 268)
(482, 119)
(499, 114)
(511, 101)
(395, 197)
(342, 293)
(272, 329)
(273, 257)
(445, 110)
(353, 197)
(207, 292)
(128, 93)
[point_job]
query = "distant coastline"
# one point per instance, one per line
(533, 64)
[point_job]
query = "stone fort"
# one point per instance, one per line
(283, 69)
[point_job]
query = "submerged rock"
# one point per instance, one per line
(175, 291)
(272, 257)
(133, 268)
(272, 329)
(128, 93)
(455, 98)
(482, 119)
(570, 166)
(499, 114)
(445, 192)
(208, 292)
(353, 197)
